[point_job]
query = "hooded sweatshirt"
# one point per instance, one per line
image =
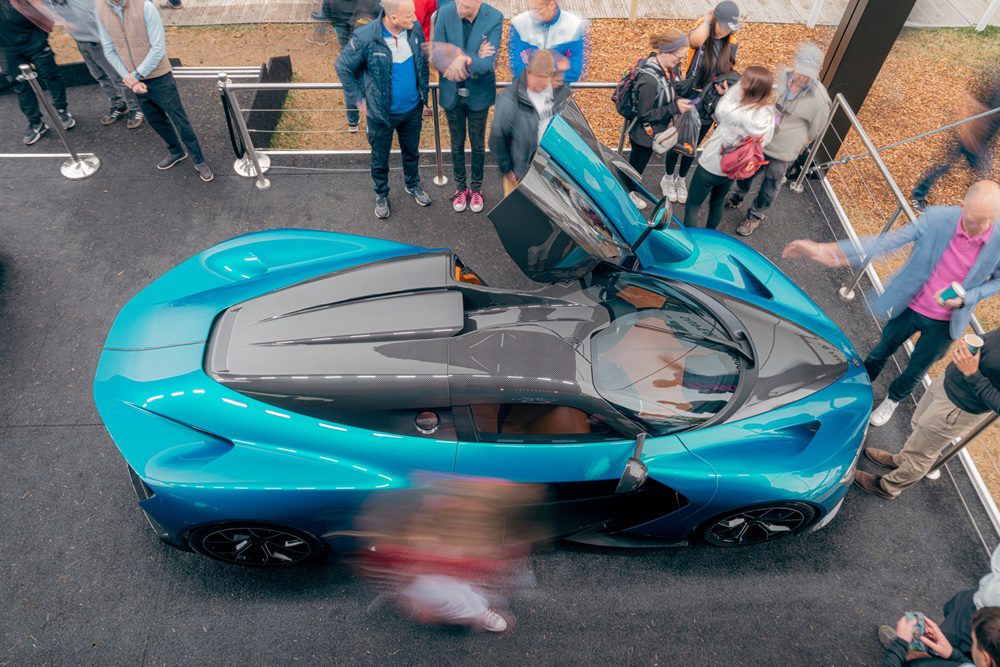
(802, 118)
(735, 123)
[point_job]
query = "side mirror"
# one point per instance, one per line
(635, 472)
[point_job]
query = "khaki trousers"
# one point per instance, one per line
(508, 187)
(936, 421)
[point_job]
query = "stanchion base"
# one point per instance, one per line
(85, 167)
(846, 294)
(263, 184)
(797, 188)
(933, 474)
(244, 166)
(440, 180)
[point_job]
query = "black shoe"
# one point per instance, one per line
(134, 119)
(733, 201)
(114, 114)
(919, 204)
(169, 161)
(419, 195)
(381, 207)
(68, 122)
(34, 133)
(204, 172)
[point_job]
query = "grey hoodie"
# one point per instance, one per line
(802, 119)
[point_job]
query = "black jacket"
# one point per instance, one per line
(365, 68)
(655, 102)
(980, 392)
(514, 132)
(17, 33)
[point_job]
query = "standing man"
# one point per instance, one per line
(803, 105)
(950, 244)
(81, 24)
(384, 67)
(24, 43)
(547, 26)
(464, 51)
(136, 46)
(955, 402)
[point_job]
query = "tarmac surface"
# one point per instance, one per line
(84, 581)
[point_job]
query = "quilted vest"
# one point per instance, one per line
(128, 32)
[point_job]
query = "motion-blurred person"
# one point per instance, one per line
(709, 75)
(24, 43)
(744, 111)
(424, 10)
(136, 46)
(803, 105)
(522, 115)
(655, 97)
(951, 244)
(955, 402)
(384, 67)
(974, 139)
(984, 640)
(81, 23)
(467, 35)
(547, 26)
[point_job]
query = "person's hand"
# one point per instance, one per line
(827, 254)
(684, 105)
(964, 361)
(722, 87)
(456, 70)
(139, 88)
(905, 628)
(362, 107)
(953, 303)
(934, 639)
(130, 80)
(486, 50)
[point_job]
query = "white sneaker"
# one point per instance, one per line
(669, 187)
(682, 189)
(639, 202)
(883, 413)
(492, 621)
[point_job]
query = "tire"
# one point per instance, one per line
(756, 524)
(255, 544)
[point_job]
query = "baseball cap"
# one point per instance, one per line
(727, 14)
(808, 61)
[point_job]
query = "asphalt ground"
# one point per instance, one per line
(84, 581)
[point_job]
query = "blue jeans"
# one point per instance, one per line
(106, 76)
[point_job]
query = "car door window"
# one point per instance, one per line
(539, 423)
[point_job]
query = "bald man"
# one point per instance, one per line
(384, 67)
(950, 244)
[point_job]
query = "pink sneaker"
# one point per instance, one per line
(476, 205)
(460, 199)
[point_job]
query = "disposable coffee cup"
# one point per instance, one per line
(954, 290)
(973, 342)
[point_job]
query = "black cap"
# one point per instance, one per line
(727, 14)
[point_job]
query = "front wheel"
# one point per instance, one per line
(756, 525)
(256, 544)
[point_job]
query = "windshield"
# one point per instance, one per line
(664, 360)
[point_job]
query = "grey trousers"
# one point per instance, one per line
(773, 172)
(106, 76)
(935, 422)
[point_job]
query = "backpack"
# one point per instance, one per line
(624, 96)
(744, 159)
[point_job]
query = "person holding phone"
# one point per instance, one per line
(466, 38)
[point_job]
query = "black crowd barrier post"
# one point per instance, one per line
(440, 179)
(263, 116)
(76, 167)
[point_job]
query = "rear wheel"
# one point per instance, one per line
(256, 544)
(755, 525)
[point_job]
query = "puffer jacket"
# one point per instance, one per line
(514, 132)
(365, 68)
(735, 123)
(655, 102)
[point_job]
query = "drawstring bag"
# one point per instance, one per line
(688, 126)
(744, 159)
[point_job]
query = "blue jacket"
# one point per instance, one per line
(482, 80)
(564, 34)
(930, 235)
(365, 68)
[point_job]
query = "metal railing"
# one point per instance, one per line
(957, 447)
(256, 161)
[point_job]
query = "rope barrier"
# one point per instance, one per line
(234, 138)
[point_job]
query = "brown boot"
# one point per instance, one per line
(880, 456)
(870, 483)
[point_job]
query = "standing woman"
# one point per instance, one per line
(656, 101)
(742, 112)
(710, 68)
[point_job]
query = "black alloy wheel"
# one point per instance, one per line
(756, 525)
(256, 545)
